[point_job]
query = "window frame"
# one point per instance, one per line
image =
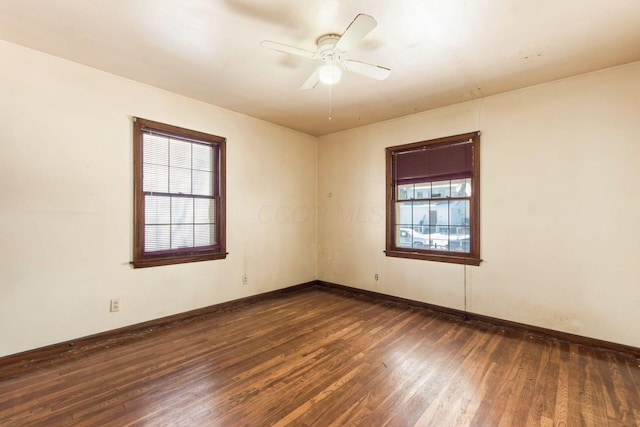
(456, 257)
(184, 255)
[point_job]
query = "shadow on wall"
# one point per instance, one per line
(357, 214)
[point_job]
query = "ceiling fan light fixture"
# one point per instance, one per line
(329, 74)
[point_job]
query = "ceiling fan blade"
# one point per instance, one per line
(312, 81)
(374, 71)
(267, 44)
(360, 27)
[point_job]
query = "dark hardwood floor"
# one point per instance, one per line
(319, 358)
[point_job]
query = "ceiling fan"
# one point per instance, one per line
(331, 48)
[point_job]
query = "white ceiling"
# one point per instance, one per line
(440, 52)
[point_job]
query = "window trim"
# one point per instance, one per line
(142, 259)
(473, 257)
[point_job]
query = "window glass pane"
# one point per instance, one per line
(181, 236)
(157, 210)
(403, 236)
(459, 212)
(439, 224)
(202, 183)
(202, 157)
(440, 189)
(405, 192)
(439, 213)
(181, 210)
(157, 238)
(155, 178)
(155, 149)
(204, 235)
(179, 180)
(459, 239)
(440, 239)
(421, 217)
(205, 211)
(423, 190)
(407, 237)
(404, 212)
(461, 187)
(180, 154)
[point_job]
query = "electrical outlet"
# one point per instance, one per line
(114, 305)
(245, 280)
(376, 277)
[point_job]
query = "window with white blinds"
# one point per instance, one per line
(179, 195)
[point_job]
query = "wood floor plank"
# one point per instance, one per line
(315, 357)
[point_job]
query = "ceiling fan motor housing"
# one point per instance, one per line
(327, 48)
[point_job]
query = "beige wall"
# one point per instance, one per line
(560, 169)
(66, 204)
(559, 201)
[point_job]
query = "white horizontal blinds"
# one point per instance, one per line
(155, 163)
(180, 201)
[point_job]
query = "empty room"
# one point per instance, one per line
(319, 213)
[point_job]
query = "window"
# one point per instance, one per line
(433, 200)
(179, 195)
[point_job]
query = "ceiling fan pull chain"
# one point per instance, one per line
(330, 100)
